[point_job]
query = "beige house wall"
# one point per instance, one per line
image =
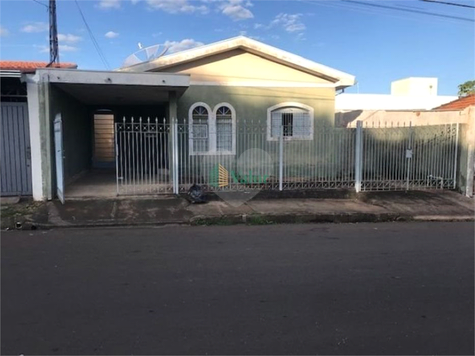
(238, 67)
(401, 118)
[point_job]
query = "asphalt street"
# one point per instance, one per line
(393, 288)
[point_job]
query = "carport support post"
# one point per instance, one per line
(173, 114)
(358, 155)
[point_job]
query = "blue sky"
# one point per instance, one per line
(376, 44)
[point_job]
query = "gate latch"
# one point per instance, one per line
(409, 153)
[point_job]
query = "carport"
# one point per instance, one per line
(72, 119)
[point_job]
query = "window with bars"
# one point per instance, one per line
(295, 122)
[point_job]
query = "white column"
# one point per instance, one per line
(34, 116)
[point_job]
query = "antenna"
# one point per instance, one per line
(144, 54)
(53, 34)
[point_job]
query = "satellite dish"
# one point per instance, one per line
(144, 54)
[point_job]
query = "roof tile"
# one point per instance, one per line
(459, 104)
(25, 66)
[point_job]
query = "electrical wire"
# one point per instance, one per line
(93, 39)
(449, 3)
(39, 2)
(408, 10)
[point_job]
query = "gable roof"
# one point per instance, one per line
(340, 79)
(26, 66)
(459, 104)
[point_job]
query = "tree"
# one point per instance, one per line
(467, 88)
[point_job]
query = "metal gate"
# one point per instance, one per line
(142, 162)
(15, 164)
(406, 157)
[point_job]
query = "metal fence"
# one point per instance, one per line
(407, 157)
(160, 157)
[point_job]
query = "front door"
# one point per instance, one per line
(59, 156)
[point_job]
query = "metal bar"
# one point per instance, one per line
(456, 154)
(116, 159)
(175, 155)
(281, 156)
(358, 156)
(408, 159)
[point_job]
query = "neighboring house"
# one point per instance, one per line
(213, 91)
(413, 94)
(458, 104)
(465, 108)
(14, 127)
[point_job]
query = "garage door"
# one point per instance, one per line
(15, 163)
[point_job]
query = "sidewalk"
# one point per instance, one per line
(308, 207)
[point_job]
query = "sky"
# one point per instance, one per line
(377, 41)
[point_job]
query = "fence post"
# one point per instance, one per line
(358, 155)
(174, 128)
(281, 157)
(409, 156)
(116, 144)
(456, 154)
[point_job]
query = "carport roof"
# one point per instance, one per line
(113, 88)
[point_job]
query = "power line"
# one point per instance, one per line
(39, 2)
(408, 10)
(449, 3)
(93, 39)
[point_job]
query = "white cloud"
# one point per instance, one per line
(67, 48)
(3, 31)
(176, 6)
(289, 22)
(62, 48)
(68, 38)
(112, 34)
(35, 27)
(109, 4)
(188, 43)
(236, 11)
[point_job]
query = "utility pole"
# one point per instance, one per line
(53, 34)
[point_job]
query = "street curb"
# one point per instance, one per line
(444, 218)
(267, 219)
(247, 219)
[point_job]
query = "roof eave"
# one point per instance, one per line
(341, 79)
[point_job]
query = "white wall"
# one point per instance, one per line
(415, 86)
(349, 102)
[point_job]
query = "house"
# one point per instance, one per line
(458, 104)
(15, 161)
(163, 125)
(408, 99)
(414, 93)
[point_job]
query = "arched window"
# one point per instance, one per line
(212, 132)
(293, 120)
(225, 128)
(199, 125)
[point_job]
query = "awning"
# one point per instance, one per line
(113, 88)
